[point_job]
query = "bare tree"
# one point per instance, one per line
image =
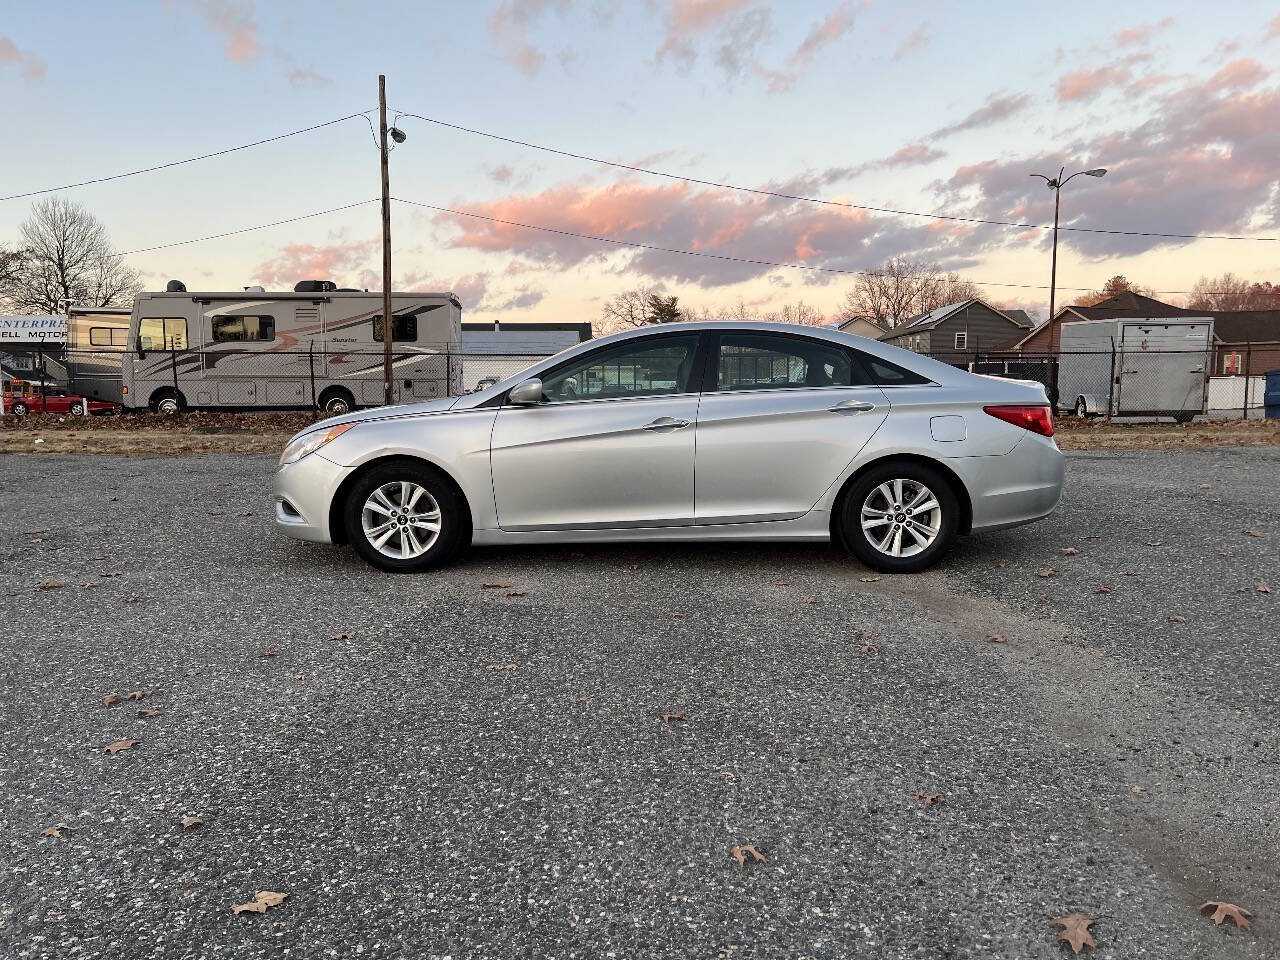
(65, 256)
(799, 312)
(1229, 292)
(1116, 285)
(904, 288)
(640, 307)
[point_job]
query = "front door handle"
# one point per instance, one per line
(666, 423)
(852, 406)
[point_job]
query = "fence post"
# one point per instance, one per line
(1248, 367)
(1111, 383)
(44, 386)
(173, 366)
(311, 365)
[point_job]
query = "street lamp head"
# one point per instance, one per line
(1096, 172)
(398, 136)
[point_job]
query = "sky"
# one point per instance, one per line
(932, 107)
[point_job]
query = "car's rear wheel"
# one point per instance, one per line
(404, 517)
(21, 409)
(900, 517)
(76, 409)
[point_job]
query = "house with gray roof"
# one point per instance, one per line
(968, 327)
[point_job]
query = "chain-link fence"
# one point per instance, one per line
(311, 378)
(1219, 381)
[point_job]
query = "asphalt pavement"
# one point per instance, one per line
(435, 766)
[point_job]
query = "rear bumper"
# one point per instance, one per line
(1022, 486)
(302, 494)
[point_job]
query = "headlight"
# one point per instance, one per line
(311, 442)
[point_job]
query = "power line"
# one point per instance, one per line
(261, 226)
(731, 259)
(178, 163)
(1018, 225)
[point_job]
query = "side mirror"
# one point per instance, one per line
(526, 394)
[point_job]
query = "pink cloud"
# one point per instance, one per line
(1237, 75)
(912, 42)
(1273, 28)
(509, 25)
(308, 261)
(1142, 33)
(1088, 84)
(998, 107)
(823, 34)
(236, 24)
(687, 19)
(32, 67)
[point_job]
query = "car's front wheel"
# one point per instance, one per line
(405, 517)
(900, 517)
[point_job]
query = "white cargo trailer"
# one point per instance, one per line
(1127, 367)
(257, 349)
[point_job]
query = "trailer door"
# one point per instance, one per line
(1162, 368)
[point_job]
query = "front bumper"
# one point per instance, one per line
(1019, 487)
(302, 494)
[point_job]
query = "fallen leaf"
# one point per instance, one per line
(502, 666)
(515, 593)
(1262, 587)
(249, 513)
(996, 638)
(1000, 564)
(669, 716)
(110, 573)
(1177, 618)
(259, 904)
(190, 822)
(1103, 589)
(930, 799)
(54, 831)
(1155, 543)
(781, 583)
(1252, 533)
(810, 599)
(110, 700)
(88, 585)
(149, 714)
(677, 616)
(137, 696)
(1226, 911)
(1046, 573)
(871, 649)
(868, 579)
(132, 598)
(342, 637)
(1075, 930)
(268, 654)
(740, 853)
(50, 585)
(1068, 551)
(496, 585)
(120, 746)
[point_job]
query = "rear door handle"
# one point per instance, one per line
(852, 406)
(666, 423)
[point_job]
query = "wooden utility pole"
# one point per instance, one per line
(388, 326)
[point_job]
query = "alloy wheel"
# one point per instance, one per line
(901, 518)
(401, 520)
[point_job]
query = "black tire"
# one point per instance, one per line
(20, 409)
(455, 521)
(860, 543)
(76, 409)
(1082, 409)
(336, 401)
(1182, 418)
(168, 402)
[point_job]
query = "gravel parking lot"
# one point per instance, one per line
(429, 766)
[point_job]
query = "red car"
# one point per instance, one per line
(21, 398)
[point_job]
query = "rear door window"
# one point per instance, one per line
(766, 361)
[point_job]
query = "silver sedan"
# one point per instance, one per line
(697, 431)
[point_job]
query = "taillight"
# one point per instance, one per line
(1037, 419)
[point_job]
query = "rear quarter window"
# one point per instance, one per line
(885, 374)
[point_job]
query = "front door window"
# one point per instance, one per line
(645, 369)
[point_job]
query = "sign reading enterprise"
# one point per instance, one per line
(43, 328)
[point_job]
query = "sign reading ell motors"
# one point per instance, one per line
(23, 331)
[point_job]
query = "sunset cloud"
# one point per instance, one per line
(306, 261)
(509, 25)
(1142, 33)
(234, 21)
(1087, 84)
(999, 107)
(912, 42)
(31, 66)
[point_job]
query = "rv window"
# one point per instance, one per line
(161, 333)
(257, 329)
(402, 328)
(108, 337)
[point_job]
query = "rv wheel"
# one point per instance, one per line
(337, 401)
(167, 402)
(1082, 408)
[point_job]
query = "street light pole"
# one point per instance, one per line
(387, 325)
(1056, 184)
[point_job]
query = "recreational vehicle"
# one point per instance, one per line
(97, 341)
(1136, 367)
(257, 349)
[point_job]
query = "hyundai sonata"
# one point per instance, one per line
(692, 431)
